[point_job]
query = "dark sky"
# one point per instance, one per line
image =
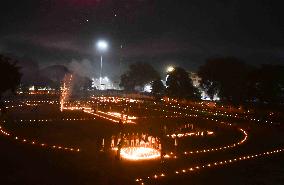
(161, 32)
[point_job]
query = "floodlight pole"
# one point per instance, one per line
(102, 47)
(101, 72)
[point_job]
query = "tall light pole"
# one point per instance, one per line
(102, 47)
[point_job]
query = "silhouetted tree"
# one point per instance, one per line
(226, 77)
(179, 85)
(138, 75)
(52, 76)
(81, 83)
(126, 82)
(158, 89)
(31, 74)
(10, 76)
(267, 84)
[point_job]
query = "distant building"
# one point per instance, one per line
(106, 84)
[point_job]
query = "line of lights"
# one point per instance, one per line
(52, 120)
(187, 134)
(13, 106)
(204, 110)
(206, 150)
(220, 148)
(210, 165)
(37, 143)
(89, 111)
(218, 113)
(125, 117)
(156, 176)
(111, 116)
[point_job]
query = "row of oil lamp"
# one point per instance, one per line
(33, 101)
(220, 148)
(117, 99)
(52, 120)
(112, 99)
(173, 106)
(89, 111)
(125, 117)
(219, 113)
(213, 164)
(187, 134)
(111, 116)
(37, 143)
(190, 152)
(13, 106)
(202, 105)
(204, 151)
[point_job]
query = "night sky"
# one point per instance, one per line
(161, 32)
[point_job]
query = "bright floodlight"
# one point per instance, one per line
(170, 69)
(102, 45)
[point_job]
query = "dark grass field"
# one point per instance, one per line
(30, 165)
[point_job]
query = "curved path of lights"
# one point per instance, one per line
(190, 169)
(218, 113)
(206, 150)
(172, 114)
(220, 148)
(168, 155)
(33, 142)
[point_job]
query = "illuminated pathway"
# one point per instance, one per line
(134, 153)
(220, 148)
(190, 169)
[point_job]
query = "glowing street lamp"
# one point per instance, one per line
(102, 46)
(170, 69)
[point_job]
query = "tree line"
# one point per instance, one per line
(24, 73)
(239, 83)
(233, 80)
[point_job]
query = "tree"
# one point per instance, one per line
(179, 85)
(138, 75)
(158, 89)
(226, 77)
(268, 83)
(10, 76)
(81, 83)
(126, 82)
